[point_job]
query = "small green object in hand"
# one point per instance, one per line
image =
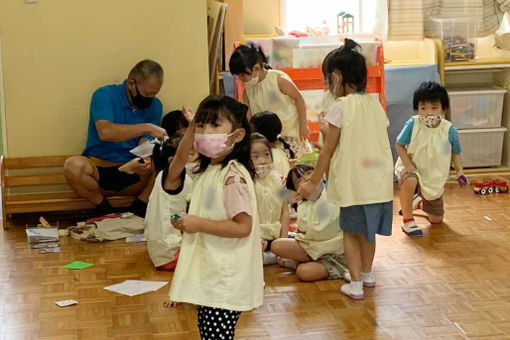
(175, 216)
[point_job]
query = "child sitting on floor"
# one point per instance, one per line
(270, 126)
(317, 252)
(273, 211)
(163, 240)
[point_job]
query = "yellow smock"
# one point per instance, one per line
(270, 204)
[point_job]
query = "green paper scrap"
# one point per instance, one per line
(375, 324)
(77, 265)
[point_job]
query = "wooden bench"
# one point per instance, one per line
(44, 171)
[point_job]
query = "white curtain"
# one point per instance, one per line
(408, 19)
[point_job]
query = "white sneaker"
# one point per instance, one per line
(369, 282)
(269, 258)
(355, 294)
(412, 229)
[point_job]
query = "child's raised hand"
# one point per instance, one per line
(187, 223)
(188, 114)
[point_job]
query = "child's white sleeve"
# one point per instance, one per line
(334, 116)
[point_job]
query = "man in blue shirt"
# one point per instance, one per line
(121, 117)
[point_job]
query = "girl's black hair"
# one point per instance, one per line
(245, 57)
(296, 173)
(430, 91)
(173, 121)
(210, 110)
(349, 61)
(258, 138)
(326, 76)
(269, 125)
(162, 152)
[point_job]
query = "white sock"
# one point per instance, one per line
(356, 285)
(366, 276)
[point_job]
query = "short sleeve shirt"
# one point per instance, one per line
(404, 138)
(110, 103)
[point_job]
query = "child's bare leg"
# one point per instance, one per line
(367, 254)
(311, 271)
(352, 249)
(407, 190)
(434, 219)
(290, 249)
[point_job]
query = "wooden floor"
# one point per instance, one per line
(453, 283)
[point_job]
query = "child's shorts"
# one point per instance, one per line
(433, 207)
(369, 219)
(335, 264)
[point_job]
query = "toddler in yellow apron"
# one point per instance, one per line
(220, 265)
(358, 155)
(272, 209)
(317, 252)
(163, 240)
(270, 126)
(271, 90)
(426, 147)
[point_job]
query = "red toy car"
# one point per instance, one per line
(490, 186)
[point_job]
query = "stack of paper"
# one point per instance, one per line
(136, 287)
(39, 235)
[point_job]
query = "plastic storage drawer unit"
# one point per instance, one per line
(476, 108)
(481, 147)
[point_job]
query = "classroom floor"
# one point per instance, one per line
(453, 283)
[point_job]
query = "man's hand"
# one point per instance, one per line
(156, 131)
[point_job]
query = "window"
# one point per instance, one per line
(322, 14)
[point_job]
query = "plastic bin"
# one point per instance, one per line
(481, 147)
(476, 108)
(457, 35)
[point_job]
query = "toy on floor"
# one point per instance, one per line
(489, 186)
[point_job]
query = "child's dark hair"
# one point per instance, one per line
(296, 173)
(430, 91)
(326, 76)
(162, 152)
(174, 121)
(269, 125)
(245, 57)
(258, 138)
(349, 61)
(210, 110)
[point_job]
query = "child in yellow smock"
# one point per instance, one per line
(272, 208)
(358, 155)
(271, 90)
(163, 240)
(270, 126)
(426, 147)
(220, 263)
(317, 252)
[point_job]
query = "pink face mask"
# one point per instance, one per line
(212, 145)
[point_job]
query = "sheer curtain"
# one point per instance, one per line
(407, 19)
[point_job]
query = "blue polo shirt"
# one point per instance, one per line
(111, 103)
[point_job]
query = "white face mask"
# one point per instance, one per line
(252, 82)
(263, 170)
(431, 121)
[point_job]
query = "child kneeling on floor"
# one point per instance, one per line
(169, 196)
(273, 210)
(426, 147)
(317, 252)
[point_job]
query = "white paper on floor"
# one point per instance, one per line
(136, 287)
(488, 218)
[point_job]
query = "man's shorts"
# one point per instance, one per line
(109, 178)
(434, 207)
